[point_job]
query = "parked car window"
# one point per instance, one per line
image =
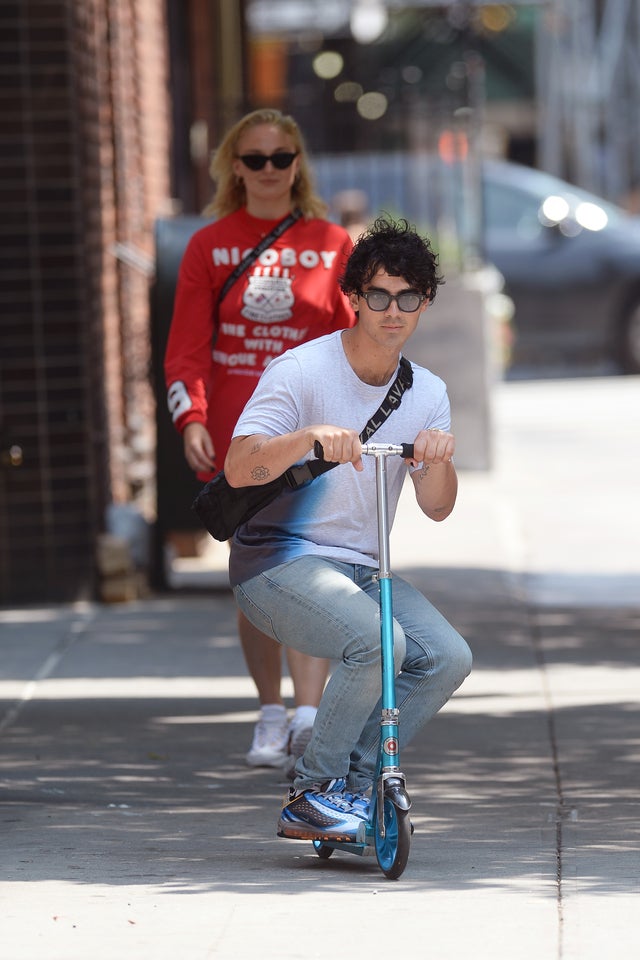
(513, 210)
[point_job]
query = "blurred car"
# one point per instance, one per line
(571, 264)
(570, 260)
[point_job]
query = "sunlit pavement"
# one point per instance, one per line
(131, 825)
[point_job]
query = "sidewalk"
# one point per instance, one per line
(132, 827)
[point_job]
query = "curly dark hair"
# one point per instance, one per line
(397, 248)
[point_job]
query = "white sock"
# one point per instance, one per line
(273, 712)
(304, 716)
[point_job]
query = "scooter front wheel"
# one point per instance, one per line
(392, 850)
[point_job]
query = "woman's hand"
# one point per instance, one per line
(198, 448)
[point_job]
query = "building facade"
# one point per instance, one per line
(84, 152)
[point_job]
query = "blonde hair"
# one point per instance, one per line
(230, 192)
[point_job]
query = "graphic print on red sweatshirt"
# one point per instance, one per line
(289, 295)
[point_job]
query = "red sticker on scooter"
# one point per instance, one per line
(390, 746)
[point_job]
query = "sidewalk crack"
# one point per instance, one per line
(76, 629)
(538, 649)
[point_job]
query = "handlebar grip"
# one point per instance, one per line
(407, 451)
(318, 449)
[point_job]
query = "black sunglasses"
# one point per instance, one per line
(379, 300)
(258, 161)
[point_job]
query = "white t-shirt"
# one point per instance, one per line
(335, 514)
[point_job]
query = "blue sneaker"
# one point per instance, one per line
(359, 804)
(325, 814)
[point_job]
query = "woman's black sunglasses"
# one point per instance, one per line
(258, 161)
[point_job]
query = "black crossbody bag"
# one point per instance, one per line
(223, 508)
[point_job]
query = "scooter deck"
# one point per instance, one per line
(353, 847)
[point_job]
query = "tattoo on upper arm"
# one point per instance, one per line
(260, 473)
(257, 447)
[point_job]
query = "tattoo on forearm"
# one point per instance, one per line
(424, 471)
(260, 473)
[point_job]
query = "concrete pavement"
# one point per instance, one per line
(132, 827)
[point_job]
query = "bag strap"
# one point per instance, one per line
(301, 474)
(393, 399)
(277, 231)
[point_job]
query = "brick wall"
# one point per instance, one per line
(83, 175)
(135, 97)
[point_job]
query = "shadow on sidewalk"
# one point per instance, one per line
(125, 765)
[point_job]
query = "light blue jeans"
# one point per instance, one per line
(330, 609)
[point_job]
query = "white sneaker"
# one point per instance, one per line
(270, 739)
(299, 736)
(300, 730)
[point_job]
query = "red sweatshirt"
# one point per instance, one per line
(290, 294)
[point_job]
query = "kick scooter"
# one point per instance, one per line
(388, 828)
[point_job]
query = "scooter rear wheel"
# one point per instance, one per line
(392, 850)
(323, 851)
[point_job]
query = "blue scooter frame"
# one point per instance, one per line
(388, 828)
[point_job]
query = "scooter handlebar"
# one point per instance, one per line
(404, 450)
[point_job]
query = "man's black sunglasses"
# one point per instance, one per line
(379, 300)
(258, 161)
